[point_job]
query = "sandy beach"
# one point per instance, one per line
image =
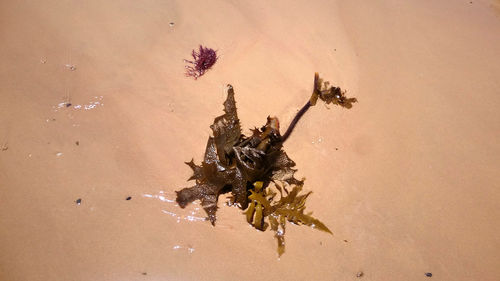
(95, 109)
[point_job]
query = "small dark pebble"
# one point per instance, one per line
(77, 143)
(171, 24)
(336, 148)
(346, 241)
(78, 201)
(128, 198)
(321, 243)
(68, 104)
(144, 273)
(360, 274)
(428, 274)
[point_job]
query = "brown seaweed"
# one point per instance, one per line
(246, 166)
(290, 208)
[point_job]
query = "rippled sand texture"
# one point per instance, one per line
(94, 106)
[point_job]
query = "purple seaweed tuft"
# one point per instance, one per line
(202, 61)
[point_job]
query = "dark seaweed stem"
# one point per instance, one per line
(303, 110)
(295, 120)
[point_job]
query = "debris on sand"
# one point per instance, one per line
(256, 169)
(71, 67)
(202, 61)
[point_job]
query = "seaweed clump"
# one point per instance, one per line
(202, 61)
(255, 169)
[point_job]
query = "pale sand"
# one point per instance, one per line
(413, 186)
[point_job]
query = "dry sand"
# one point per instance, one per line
(409, 177)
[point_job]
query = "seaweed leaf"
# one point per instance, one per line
(334, 95)
(289, 208)
(226, 128)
